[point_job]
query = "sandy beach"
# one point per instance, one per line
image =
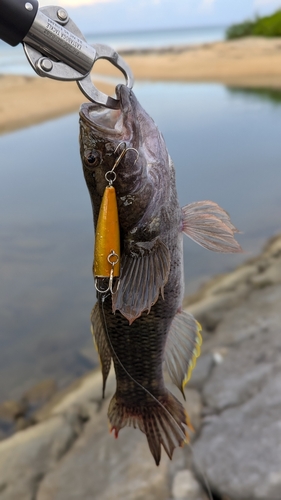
(250, 62)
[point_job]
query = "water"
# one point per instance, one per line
(159, 38)
(13, 60)
(226, 147)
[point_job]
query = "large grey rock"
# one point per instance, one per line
(239, 446)
(240, 449)
(29, 455)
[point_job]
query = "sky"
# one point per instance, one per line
(105, 16)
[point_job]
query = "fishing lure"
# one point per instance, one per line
(107, 241)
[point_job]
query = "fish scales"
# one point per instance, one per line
(140, 347)
(142, 324)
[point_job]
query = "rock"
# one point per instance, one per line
(40, 393)
(186, 487)
(219, 295)
(11, 410)
(193, 406)
(226, 292)
(240, 449)
(201, 371)
(88, 389)
(211, 309)
(27, 456)
(18, 415)
(23, 423)
(239, 446)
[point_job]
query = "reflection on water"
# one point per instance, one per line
(226, 147)
(260, 94)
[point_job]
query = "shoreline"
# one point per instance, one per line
(249, 62)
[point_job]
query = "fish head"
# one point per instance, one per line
(104, 134)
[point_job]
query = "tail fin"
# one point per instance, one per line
(164, 421)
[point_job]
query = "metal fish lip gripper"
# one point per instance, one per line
(56, 48)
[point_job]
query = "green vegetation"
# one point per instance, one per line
(269, 26)
(264, 94)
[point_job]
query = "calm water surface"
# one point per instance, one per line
(226, 147)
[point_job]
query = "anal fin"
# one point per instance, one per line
(183, 347)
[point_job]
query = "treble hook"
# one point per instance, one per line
(125, 150)
(113, 259)
(120, 157)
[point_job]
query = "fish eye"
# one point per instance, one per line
(93, 159)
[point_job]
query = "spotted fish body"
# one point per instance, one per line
(142, 324)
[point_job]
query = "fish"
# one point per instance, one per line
(139, 324)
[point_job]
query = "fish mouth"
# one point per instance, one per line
(105, 120)
(108, 122)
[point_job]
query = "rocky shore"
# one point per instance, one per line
(233, 399)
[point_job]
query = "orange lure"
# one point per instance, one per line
(107, 242)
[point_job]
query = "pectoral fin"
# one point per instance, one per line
(100, 340)
(144, 273)
(182, 348)
(210, 226)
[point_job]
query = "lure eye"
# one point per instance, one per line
(93, 159)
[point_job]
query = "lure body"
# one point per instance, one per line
(107, 241)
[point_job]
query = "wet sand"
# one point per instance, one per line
(251, 62)
(26, 100)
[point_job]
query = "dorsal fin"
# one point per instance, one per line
(210, 226)
(182, 348)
